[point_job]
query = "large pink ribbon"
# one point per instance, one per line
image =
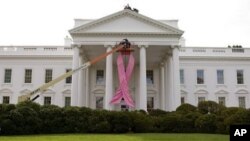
(124, 77)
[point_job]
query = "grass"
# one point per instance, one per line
(119, 137)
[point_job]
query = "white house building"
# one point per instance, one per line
(166, 73)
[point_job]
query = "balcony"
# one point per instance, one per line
(35, 51)
(214, 52)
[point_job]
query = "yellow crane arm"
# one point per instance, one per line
(62, 77)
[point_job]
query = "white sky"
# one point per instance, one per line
(210, 23)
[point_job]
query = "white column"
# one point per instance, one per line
(176, 78)
(81, 84)
(171, 82)
(168, 83)
(87, 99)
(109, 80)
(162, 78)
(74, 86)
(143, 82)
(137, 87)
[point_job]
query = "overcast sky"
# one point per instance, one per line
(209, 23)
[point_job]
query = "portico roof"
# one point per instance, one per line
(126, 22)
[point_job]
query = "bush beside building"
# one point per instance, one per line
(32, 118)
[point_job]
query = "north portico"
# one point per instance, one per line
(155, 81)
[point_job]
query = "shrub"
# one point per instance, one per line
(31, 118)
(212, 107)
(230, 111)
(98, 122)
(157, 112)
(187, 122)
(8, 127)
(6, 108)
(22, 120)
(206, 123)
(32, 105)
(242, 116)
(141, 123)
(52, 119)
(83, 121)
(120, 122)
(72, 119)
(186, 108)
(170, 122)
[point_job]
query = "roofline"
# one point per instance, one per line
(125, 11)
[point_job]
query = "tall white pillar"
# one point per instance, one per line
(176, 78)
(162, 86)
(75, 76)
(81, 84)
(171, 82)
(143, 82)
(109, 80)
(168, 83)
(87, 99)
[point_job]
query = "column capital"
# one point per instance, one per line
(109, 44)
(142, 45)
(162, 64)
(75, 45)
(175, 46)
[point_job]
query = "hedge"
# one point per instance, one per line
(31, 118)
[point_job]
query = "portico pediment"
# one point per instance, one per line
(126, 22)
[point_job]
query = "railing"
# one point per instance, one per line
(35, 50)
(238, 50)
(199, 50)
(29, 49)
(50, 49)
(196, 51)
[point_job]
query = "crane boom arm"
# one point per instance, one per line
(63, 76)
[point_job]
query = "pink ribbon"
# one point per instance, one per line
(124, 77)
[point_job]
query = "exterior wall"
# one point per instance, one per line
(210, 60)
(38, 59)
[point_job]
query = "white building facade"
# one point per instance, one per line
(166, 73)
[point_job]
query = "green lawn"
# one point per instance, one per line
(119, 137)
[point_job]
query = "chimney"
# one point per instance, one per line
(67, 41)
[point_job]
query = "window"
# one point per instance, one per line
(150, 102)
(200, 99)
(182, 76)
(200, 76)
(67, 101)
(182, 100)
(220, 77)
(7, 76)
(28, 76)
(150, 77)
(240, 75)
(48, 75)
(6, 99)
(222, 101)
(100, 77)
(47, 100)
(99, 102)
(68, 79)
(242, 102)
